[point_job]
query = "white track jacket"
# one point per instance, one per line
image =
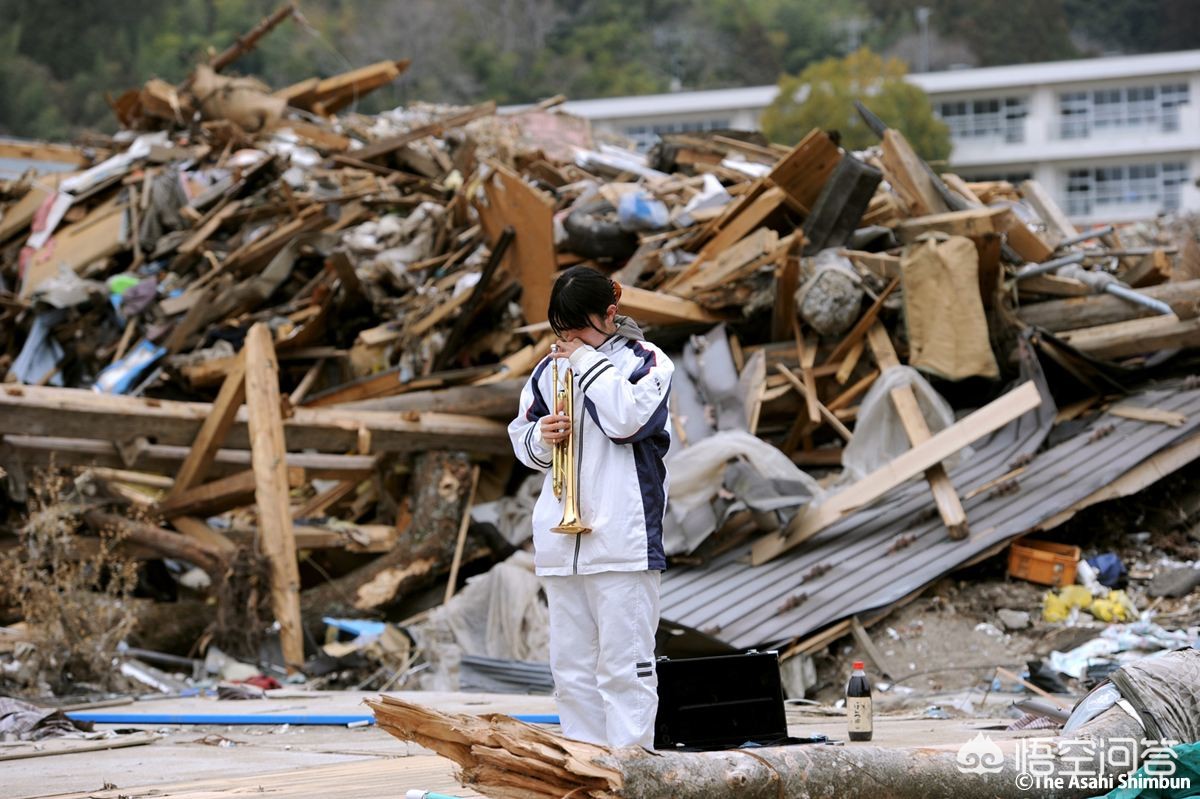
(623, 427)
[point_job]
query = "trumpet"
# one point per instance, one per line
(564, 479)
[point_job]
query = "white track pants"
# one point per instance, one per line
(602, 655)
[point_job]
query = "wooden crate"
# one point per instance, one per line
(1043, 562)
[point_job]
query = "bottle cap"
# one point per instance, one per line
(858, 664)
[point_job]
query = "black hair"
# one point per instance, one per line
(578, 293)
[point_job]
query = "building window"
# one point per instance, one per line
(1015, 178)
(1174, 176)
(1074, 109)
(1079, 192)
(979, 119)
(1116, 188)
(1129, 107)
(1171, 97)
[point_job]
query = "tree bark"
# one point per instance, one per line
(1105, 309)
(164, 542)
(505, 758)
(441, 483)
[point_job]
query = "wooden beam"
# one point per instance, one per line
(1058, 226)
(909, 176)
(325, 500)
(905, 401)
(823, 412)
(214, 430)
(228, 493)
(384, 147)
(971, 222)
(269, 454)
(816, 518)
(461, 541)
(366, 538)
(165, 459)
(806, 356)
(855, 336)
(78, 413)
(1124, 339)
(657, 308)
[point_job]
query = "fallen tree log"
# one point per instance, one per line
(505, 758)
(166, 543)
(422, 552)
(1105, 309)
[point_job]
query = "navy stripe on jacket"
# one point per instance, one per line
(538, 408)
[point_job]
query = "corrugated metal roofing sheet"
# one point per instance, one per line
(859, 563)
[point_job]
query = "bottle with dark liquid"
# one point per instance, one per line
(858, 704)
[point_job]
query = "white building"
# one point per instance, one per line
(1113, 139)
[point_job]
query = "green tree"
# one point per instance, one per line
(823, 95)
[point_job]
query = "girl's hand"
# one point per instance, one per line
(564, 349)
(555, 427)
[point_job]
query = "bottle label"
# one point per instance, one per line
(858, 713)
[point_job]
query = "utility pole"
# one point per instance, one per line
(923, 13)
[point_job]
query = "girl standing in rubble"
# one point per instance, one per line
(602, 586)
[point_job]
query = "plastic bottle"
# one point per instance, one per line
(859, 713)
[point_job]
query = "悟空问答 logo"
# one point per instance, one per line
(980, 755)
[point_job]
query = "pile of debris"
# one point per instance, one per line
(373, 290)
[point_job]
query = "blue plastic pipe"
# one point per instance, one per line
(101, 717)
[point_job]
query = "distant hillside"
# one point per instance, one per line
(58, 58)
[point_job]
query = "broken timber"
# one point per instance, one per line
(509, 759)
(78, 413)
(815, 518)
(269, 453)
(905, 400)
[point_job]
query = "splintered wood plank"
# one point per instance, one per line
(971, 222)
(269, 456)
(1135, 337)
(806, 356)
(326, 500)
(384, 147)
(816, 518)
(214, 430)
(102, 233)
(909, 176)
(905, 401)
(198, 530)
(656, 308)
(854, 338)
(1025, 242)
(1058, 226)
(83, 414)
(738, 228)
(822, 411)
(202, 454)
(803, 172)
(221, 495)
(531, 258)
